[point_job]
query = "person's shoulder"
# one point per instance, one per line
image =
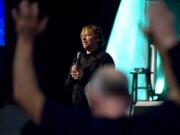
(105, 54)
(106, 58)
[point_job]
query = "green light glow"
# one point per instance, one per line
(127, 44)
(159, 86)
(160, 83)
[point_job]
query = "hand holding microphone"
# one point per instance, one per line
(77, 72)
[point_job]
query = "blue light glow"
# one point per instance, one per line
(2, 24)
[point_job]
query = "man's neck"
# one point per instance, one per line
(89, 51)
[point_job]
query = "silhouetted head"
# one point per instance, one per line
(107, 93)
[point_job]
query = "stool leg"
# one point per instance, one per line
(150, 92)
(136, 88)
(132, 91)
(147, 87)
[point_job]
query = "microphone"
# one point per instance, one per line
(78, 59)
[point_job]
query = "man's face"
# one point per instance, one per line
(88, 40)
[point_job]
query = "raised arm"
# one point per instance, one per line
(163, 35)
(26, 90)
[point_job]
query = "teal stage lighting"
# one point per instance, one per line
(128, 46)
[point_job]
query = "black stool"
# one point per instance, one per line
(135, 87)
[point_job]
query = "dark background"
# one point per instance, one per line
(58, 45)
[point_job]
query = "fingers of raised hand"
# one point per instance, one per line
(161, 24)
(26, 18)
(34, 11)
(42, 24)
(14, 14)
(26, 11)
(24, 8)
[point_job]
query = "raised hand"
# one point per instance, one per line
(162, 32)
(161, 28)
(26, 18)
(25, 84)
